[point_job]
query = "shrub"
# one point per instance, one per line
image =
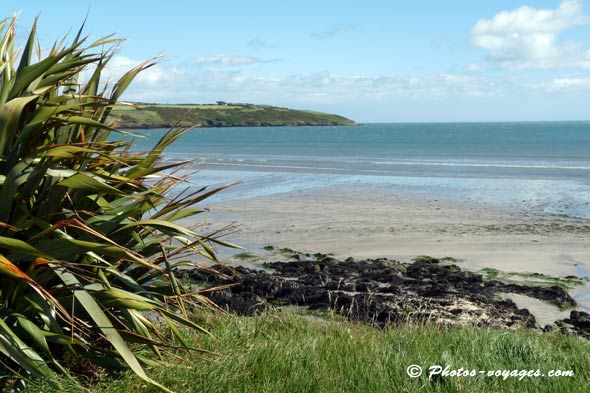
(88, 233)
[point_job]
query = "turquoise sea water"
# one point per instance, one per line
(541, 165)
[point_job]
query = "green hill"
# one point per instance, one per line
(220, 115)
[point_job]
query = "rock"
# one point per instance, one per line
(378, 292)
(577, 324)
(553, 294)
(580, 320)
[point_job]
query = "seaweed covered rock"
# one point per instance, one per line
(577, 324)
(377, 291)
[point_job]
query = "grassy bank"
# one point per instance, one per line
(284, 351)
(230, 115)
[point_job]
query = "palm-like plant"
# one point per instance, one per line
(88, 239)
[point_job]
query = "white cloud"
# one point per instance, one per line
(168, 82)
(148, 83)
(230, 60)
(565, 84)
(259, 43)
(151, 77)
(200, 86)
(333, 30)
(528, 37)
(475, 67)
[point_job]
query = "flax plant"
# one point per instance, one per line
(89, 238)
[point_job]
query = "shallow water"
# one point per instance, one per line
(544, 167)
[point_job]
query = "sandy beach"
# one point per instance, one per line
(379, 222)
(368, 224)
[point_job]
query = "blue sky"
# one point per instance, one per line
(373, 61)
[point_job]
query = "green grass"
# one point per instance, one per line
(283, 351)
(196, 106)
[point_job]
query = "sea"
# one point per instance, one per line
(540, 166)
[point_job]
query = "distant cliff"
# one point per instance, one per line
(220, 115)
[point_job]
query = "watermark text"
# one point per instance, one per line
(415, 371)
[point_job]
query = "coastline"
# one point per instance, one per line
(481, 194)
(381, 222)
(167, 126)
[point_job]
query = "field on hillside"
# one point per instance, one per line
(219, 115)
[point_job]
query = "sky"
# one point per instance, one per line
(371, 61)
